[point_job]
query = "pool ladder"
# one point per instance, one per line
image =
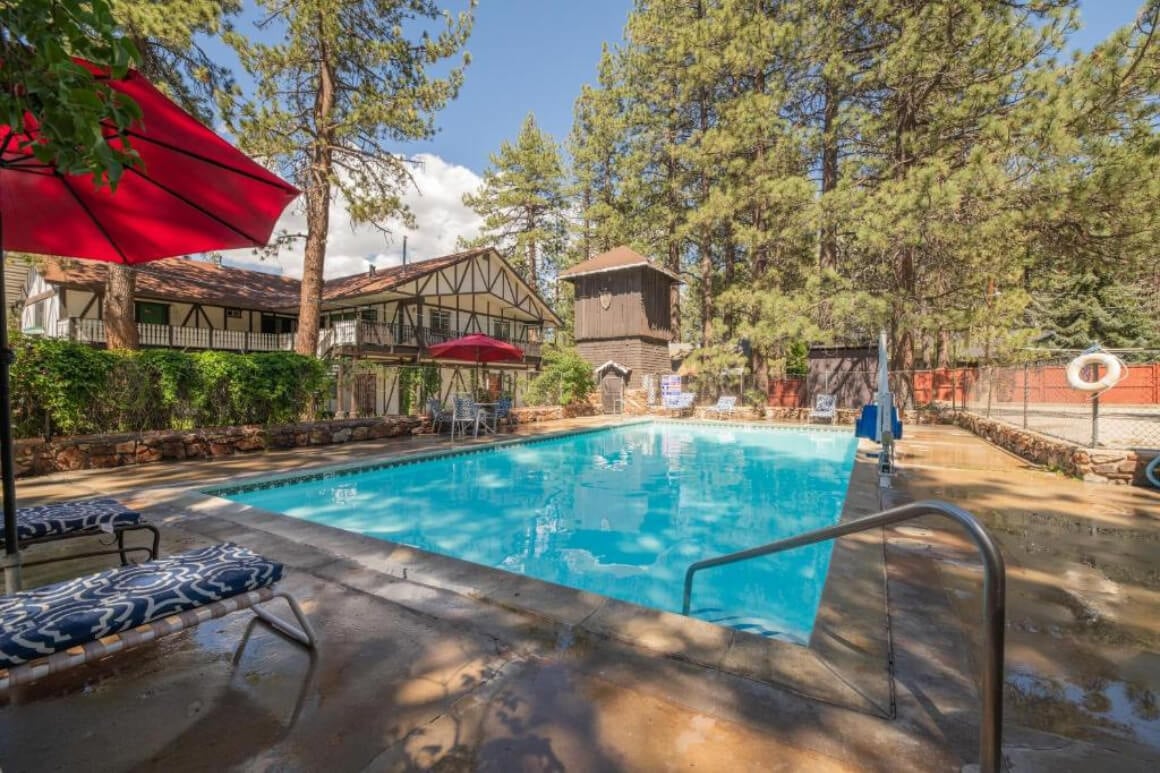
(994, 600)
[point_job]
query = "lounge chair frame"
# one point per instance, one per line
(118, 533)
(92, 651)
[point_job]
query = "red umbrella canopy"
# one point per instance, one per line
(194, 193)
(477, 348)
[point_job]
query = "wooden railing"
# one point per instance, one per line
(356, 334)
(92, 331)
(353, 334)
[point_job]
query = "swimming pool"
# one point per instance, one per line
(620, 512)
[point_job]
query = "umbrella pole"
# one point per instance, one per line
(11, 560)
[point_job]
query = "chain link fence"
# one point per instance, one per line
(1037, 396)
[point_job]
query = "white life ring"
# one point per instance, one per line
(1114, 371)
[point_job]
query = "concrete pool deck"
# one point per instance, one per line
(411, 676)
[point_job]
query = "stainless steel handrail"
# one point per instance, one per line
(994, 600)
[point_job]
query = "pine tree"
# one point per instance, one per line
(166, 33)
(1075, 310)
(347, 80)
(522, 204)
(597, 145)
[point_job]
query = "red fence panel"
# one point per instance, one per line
(787, 393)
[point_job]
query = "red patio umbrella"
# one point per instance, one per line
(476, 348)
(195, 192)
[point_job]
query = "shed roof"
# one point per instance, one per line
(614, 260)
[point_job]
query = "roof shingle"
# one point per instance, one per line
(616, 258)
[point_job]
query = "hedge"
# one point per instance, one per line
(64, 387)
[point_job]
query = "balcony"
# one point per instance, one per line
(370, 336)
(92, 331)
(351, 335)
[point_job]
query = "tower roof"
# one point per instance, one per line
(614, 260)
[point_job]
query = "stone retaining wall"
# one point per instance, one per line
(35, 456)
(1095, 465)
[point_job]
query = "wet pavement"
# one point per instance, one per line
(1083, 583)
(410, 677)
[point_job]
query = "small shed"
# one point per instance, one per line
(850, 372)
(623, 312)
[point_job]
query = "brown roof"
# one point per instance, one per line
(387, 278)
(196, 281)
(616, 258)
(183, 280)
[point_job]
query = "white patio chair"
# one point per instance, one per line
(724, 407)
(825, 408)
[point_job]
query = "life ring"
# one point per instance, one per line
(1112, 365)
(1152, 471)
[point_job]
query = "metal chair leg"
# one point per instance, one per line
(303, 633)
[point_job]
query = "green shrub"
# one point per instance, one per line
(565, 378)
(63, 387)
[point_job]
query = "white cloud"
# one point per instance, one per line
(441, 218)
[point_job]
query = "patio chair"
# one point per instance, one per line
(724, 407)
(466, 414)
(437, 415)
(50, 629)
(38, 524)
(680, 402)
(825, 408)
(503, 412)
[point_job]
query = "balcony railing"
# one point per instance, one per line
(353, 334)
(92, 331)
(356, 334)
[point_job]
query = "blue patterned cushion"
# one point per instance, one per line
(41, 621)
(64, 518)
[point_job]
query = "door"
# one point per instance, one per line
(612, 393)
(364, 393)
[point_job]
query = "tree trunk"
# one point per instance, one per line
(317, 210)
(706, 266)
(828, 241)
(119, 312)
(531, 257)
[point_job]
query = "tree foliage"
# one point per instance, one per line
(38, 39)
(345, 82)
(818, 170)
(565, 378)
(64, 387)
(522, 204)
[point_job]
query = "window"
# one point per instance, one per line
(152, 313)
(369, 315)
(233, 313)
(36, 321)
(274, 324)
(439, 321)
(501, 329)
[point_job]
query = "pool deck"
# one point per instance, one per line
(411, 675)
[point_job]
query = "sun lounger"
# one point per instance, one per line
(53, 628)
(825, 408)
(724, 407)
(680, 402)
(81, 518)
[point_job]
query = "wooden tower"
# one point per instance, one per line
(623, 305)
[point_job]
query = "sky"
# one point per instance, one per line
(527, 56)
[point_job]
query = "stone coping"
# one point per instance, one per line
(1123, 466)
(847, 662)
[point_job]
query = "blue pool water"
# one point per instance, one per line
(621, 512)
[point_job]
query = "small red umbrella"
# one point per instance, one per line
(194, 192)
(476, 348)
